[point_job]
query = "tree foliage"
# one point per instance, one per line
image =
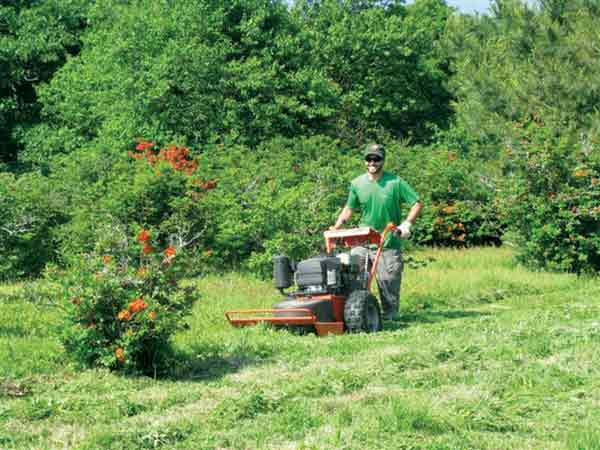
(35, 40)
(246, 71)
(523, 62)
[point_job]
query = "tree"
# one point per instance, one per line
(386, 61)
(35, 40)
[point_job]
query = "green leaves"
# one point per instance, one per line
(203, 72)
(35, 40)
(523, 62)
(30, 212)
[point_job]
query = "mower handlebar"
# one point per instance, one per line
(352, 237)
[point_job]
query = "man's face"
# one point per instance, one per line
(374, 164)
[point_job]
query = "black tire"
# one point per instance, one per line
(362, 313)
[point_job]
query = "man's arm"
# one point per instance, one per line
(342, 218)
(404, 228)
(414, 212)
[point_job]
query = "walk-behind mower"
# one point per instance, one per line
(333, 292)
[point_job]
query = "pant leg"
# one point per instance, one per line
(389, 280)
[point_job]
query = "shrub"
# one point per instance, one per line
(277, 199)
(553, 196)
(30, 209)
(123, 301)
(151, 186)
(458, 196)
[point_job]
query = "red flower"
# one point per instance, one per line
(106, 259)
(144, 145)
(147, 249)
(170, 251)
(143, 236)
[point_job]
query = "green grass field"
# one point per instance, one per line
(487, 355)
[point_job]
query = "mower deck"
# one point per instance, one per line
(294, 316)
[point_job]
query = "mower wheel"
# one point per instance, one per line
(362, 313)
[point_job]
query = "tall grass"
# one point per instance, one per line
(487, 355)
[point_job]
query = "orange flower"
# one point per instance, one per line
(120, 354)
(143, 236)
(147, 249)
(449, 209)
(124, 315)
(581, 173)
(152, 315)
(106, 259)
(137, 305)
(207, 185)
(170, 251)
(142, 272)
(451, 156)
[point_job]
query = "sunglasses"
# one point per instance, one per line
(373, 159)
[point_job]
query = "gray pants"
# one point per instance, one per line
(389, 277)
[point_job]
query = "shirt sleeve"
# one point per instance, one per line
(407, 193)
(352, 201)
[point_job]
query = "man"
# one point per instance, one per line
(380, 195)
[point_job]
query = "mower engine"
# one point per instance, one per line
(338, 274)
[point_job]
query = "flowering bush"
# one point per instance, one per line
(553, 196)
(123, 302)
(458, 194)
(460, 223)
(159, 187)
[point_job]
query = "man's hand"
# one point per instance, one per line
(404, 229)
(342, 218)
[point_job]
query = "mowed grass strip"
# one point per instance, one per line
(487, 355)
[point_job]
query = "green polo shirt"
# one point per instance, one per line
(381, 202)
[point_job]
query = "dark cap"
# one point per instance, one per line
(375, 149)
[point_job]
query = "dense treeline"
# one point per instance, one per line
(492, 118)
